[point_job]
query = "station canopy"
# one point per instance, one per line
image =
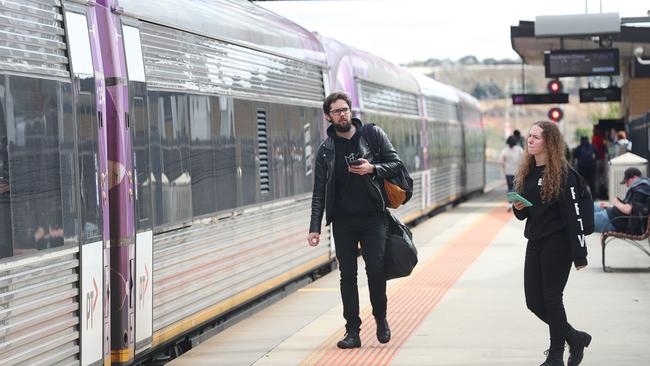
(530, 39)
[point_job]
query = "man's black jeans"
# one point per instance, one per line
(370, 231)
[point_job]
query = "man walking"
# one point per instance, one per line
(348, 187)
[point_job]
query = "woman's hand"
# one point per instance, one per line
(519, 205)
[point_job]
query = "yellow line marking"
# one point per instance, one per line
(321, 289)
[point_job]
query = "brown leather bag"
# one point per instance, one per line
(395, 194)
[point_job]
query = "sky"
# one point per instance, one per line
(406, 30)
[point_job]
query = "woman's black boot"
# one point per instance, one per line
(577, 341)
(554, 357)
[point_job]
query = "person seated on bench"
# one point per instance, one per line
(613, 217)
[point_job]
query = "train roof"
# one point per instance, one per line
(468, 99)
(348, 63)
(237, 22)
(433, 88)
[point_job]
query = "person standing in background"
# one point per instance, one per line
(585, 156)
(509, 158)
(518, 139)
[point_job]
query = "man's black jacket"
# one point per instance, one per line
(386, 161)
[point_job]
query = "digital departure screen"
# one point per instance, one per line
(581, 62)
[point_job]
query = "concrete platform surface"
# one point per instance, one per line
(464, 305)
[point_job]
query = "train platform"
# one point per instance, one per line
(463, 305)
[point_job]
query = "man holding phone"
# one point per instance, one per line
(348, 188)
(617, 216)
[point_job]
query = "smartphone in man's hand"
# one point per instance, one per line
(355, 162)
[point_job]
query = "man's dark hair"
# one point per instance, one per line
(516, 133)
(333, 98)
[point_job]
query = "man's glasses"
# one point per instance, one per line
(345, 110)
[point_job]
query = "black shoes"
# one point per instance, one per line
(554, 358)
(579, 341)
(351, 340)
(383, 330)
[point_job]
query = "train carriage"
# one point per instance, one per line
(231, 118)
(424, 120)
(444, 142)
(474, 144)
(156, 165)
(54, 208)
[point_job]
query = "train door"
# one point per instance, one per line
(91, 161)
(142, 178)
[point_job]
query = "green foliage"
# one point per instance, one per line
(583, 131)
(487, 90)
(613, 111)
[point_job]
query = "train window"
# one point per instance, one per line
(224, 153)
(202, 162)
(170, 163)
(141, 165)
(79, 43)
(248, 170)
(31, 182)
(133, 53)
(6, 247)
(88, 150)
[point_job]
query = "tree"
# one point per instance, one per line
(468, 60)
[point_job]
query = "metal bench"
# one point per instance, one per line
(638, 241)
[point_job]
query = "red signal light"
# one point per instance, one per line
(555, 114)
(554, 86)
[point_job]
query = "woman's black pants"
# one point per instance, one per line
(546, 271)
(370, 231)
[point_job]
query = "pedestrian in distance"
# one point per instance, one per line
(623, 145)
(348, 188)
(509, 158)
(555, 237)
(518, 138)
(585, 156)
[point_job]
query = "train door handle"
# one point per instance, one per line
(131, 286)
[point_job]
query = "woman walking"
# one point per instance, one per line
(555, 237)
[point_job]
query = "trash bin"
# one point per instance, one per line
(617, 167)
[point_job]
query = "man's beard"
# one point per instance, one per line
(345, 128)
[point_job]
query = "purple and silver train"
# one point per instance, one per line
(156, 165)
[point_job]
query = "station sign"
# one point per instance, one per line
(593, 62)
(547, 98)
(588, 95)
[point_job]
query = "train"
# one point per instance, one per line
(156, 166)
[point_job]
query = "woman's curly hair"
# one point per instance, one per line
(556, 166)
